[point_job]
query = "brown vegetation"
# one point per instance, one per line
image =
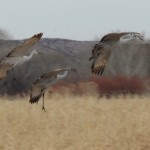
(120, 85)
(75, 123)
(105, 86)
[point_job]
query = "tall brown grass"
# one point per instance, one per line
(75, 123)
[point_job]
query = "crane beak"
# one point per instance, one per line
(90, 58)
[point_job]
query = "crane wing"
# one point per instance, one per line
(100, 59)
(36, 92)
(40, 85)
(19, 51)
(57, 72)
(112, 36)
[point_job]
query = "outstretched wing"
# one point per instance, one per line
(123, 36)
(100, 59)
(132, 37)
(57, 73)
(112, 37)
(19, 51)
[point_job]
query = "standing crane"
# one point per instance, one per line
(39, 87)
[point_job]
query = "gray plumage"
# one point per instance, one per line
(102, 51)
(16, 56)
(39, 87)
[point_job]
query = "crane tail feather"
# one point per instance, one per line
(34, 99)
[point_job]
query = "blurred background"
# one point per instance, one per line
(71, 29)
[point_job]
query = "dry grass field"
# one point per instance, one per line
(75, 123)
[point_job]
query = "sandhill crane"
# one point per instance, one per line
(39, 87)
(21, 59)
(102, 51)
(16, 56)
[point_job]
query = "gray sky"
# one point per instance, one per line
(74, 19)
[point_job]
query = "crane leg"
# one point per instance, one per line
(43, 108)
